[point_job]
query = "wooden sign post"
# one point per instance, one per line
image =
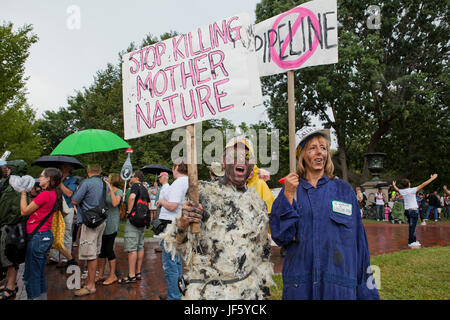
(291, 119)
(282, 46)
(291, 116)
(192, 171)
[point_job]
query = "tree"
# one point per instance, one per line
(18, 132)
(17, 118)
(382, 78)
(14, 51)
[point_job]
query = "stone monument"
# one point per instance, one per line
(375, 165)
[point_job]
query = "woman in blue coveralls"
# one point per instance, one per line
(327, 251)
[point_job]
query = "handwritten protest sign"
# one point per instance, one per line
(193, 77)
(302, 37)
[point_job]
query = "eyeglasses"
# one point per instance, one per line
(42, 176)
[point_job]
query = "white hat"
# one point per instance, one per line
(305, 133)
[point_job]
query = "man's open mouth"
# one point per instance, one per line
(239, 169)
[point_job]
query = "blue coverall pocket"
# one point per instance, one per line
(342, 228)
(341, 219)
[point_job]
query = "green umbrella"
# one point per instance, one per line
(89, 141)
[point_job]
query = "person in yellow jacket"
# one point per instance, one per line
(261, 188)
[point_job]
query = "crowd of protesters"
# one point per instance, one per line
(33, 203)
(432, 206)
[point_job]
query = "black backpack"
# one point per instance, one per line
(16, 239)
(141, 217)
(94, 217)
(16, 243)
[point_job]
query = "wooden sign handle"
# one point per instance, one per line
(291, 116)
(192, 171)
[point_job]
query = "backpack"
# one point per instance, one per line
(16, 243)
(17, 239)
(94, 217)
(141, 217)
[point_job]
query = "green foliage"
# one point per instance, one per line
(18, 131)
(387, 93)
(14, 51)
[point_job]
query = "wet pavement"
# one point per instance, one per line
(382, 237)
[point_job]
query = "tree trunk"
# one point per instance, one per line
(343, 163)
(341, 145)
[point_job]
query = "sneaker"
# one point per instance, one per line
(72, 262)
(414, 245)
(52, 262)
(423, 223)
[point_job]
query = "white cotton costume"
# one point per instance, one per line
(233, 244)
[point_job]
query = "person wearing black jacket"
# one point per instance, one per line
(433, 204)
(9, 215)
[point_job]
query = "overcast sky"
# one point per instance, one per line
(70, 50)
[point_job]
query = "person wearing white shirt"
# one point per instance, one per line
(171, 200)
(411, 207)
(164, 180)
(379, 204)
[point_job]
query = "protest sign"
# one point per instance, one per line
(302, 37)
(190, 78)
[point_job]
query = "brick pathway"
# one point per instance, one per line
(383, 238)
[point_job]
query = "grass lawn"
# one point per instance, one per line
(422, 274)
(148, 232)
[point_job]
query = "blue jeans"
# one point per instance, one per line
(445, 211)
(35, 261)
(435, 212)
(379, 211)
(173, 269)
(412, 221)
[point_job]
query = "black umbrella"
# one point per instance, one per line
(156, 169)
(57, 161)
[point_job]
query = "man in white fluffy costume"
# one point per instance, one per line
(230, 257)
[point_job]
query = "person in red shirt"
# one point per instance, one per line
(40, 236)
